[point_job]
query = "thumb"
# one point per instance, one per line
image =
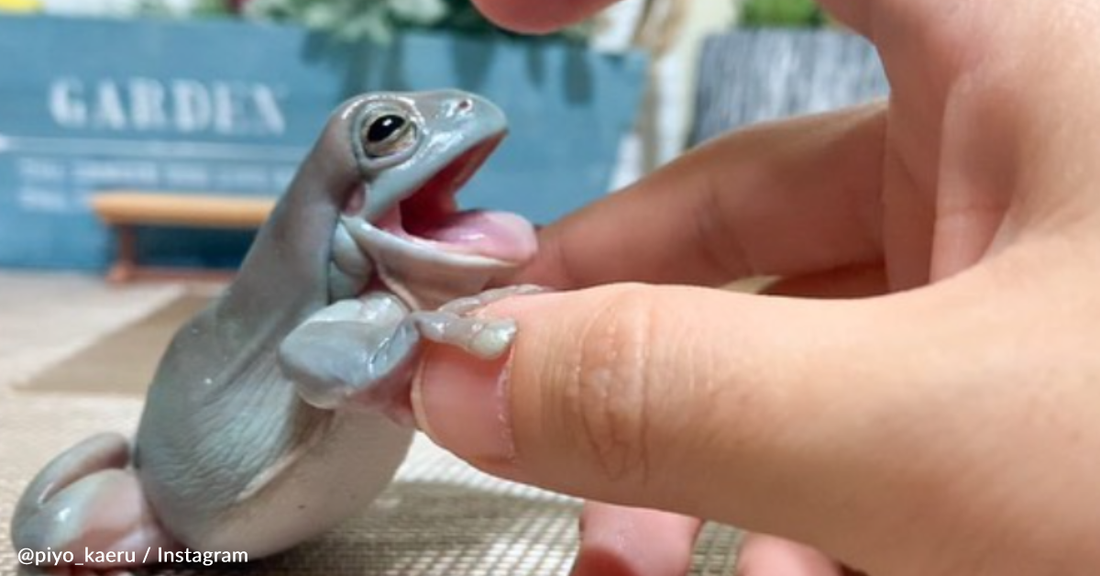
(724, 406)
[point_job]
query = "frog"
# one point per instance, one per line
(283, 407)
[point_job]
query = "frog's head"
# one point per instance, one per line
(400, 227)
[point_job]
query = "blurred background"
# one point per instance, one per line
(143, 142)
(222, 98)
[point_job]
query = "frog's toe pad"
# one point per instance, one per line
(483, 338)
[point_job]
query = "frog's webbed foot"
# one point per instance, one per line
(363, 352)
(452, 323)
(89, 499)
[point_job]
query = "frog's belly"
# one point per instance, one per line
(335, 478)
(247, 466)
(262, 485)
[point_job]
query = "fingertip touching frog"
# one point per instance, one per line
(282, 408)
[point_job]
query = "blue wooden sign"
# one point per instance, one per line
(230, 107)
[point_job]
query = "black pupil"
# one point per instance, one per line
(384, 127)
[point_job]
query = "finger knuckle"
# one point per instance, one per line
(613, 391)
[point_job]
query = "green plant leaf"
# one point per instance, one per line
(784, 13)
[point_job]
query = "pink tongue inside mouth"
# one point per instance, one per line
(499, 235)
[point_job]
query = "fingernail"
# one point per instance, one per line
(461, 403)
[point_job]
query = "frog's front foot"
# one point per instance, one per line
(362, 352)
(87, 504)
(453, 325)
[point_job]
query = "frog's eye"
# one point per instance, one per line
(388, 134)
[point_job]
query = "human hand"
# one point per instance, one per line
(950, 425)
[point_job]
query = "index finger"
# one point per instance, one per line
(790, 198)
(541, 16)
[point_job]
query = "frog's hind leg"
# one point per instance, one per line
(89, 499)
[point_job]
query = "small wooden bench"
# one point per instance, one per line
(125, 210)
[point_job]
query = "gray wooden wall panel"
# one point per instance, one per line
(749, 76)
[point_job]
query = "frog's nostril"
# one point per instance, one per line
(465, 105)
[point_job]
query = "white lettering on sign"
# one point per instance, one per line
(186, 175)
(38, 199)
(179, 105)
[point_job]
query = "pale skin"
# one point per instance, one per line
(940, 414)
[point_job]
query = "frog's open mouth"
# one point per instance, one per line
(430, 217)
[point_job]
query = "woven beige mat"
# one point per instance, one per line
(122, 361)
(45, 318)
(440, 517)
